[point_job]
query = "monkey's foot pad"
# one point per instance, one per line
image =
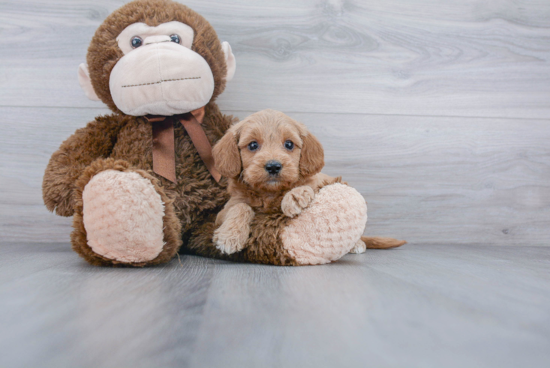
(329, 228)
(123, 216)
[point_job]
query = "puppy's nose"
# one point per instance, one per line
(273, 167)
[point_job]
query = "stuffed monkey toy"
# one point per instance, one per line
(141, 182)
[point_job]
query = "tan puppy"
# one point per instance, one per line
(273, 164)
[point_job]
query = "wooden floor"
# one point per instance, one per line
(418, 306)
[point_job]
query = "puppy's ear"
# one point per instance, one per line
(312, 157)
(226, 155)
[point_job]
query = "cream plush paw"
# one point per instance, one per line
(232, 235)
(296, 200)
(329, 228)
(359, 247)
(123, 216)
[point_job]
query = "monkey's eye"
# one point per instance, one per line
(253, 146)
(175, 38)
(136, 42)
(289, 145)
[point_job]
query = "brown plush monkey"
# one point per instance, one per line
(148, 58)
(142, 181)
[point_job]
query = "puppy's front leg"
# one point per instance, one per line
(296, 200)
(232, 235)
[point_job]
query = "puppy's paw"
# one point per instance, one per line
(230, 241)
(232, 235)
(359, 247)
(296, 200)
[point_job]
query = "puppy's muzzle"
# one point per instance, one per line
(273, 167)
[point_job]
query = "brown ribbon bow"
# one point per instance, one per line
(164, 155)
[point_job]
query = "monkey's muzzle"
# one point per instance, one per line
(161, 78)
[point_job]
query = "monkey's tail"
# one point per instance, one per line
(378, 242)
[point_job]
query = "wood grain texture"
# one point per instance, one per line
(416, 306)
(421, 57)
(426, 179)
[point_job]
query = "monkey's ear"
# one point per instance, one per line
(229, 61)
(86, 82)
(226, 155)
(312, 157)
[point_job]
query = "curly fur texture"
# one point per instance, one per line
(263, 246)
(332, 215)
(328, 229)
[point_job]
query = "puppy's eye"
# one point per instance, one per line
(253, 146)
(136, 42)
(289, 145)
(175, 38)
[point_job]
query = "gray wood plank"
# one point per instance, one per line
(417, 306)
(438, 306)
(421, 57)
(427, 180)
(92, 324)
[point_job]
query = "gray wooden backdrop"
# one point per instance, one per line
(437, 111)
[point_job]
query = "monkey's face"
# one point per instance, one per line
(153, 66)
(159, 74)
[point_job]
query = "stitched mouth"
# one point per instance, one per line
(158, 82)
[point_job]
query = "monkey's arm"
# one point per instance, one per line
(73, 156)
